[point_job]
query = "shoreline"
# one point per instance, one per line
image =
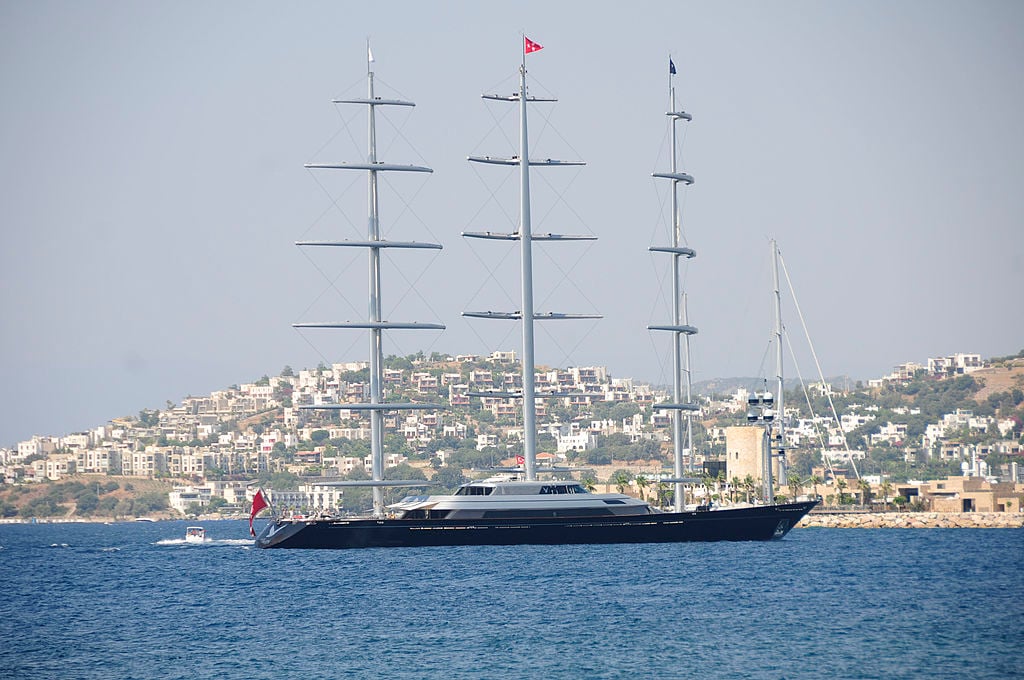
(913, 520)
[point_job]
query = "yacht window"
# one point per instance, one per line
(562, 489)
(475, 491)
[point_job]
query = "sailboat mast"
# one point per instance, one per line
(529, 388)
(769, 488)
(680, 328)
(526, 238)
(376, 345)
(678, 315)
(374, 322)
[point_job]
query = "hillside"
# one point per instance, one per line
(88, 496)
(1002, 378)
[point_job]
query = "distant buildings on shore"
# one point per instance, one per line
(943, 367)
(258, 427)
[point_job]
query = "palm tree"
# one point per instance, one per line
(641, 485)
(815, 480)
(621, 480)
(886, 490)
(588, 484)
(662, 491)
(707, 482)
(841, 485)
(734, 488)
(865, 491)
(795, 482)
(748, 486)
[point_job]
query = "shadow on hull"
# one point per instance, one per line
(760, 523)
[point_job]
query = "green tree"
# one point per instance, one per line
(107, 506)
(841, 485)
(865, 492)
(148, 418)
(621, 479)
(357, 499)
(886, 490)
(663, 494)
(748, 486)
(815, 480)
(86, 502)
(803, 462)
(794, 482)
(641, 485)
(448, 478)
(598, 456)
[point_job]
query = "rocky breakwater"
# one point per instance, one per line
(914, 520)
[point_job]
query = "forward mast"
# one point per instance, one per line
(375, 322)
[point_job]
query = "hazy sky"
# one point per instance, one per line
(152, 186)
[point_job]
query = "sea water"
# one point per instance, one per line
(133, 600)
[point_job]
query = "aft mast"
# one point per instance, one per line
(375, 322)
(769, 489)
(680, 328)
(525, 236)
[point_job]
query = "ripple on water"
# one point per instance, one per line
(132, 600)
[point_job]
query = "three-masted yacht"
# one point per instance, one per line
(515, 509)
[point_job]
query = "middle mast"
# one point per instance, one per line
(526, 237)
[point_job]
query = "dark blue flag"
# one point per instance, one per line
(671, 67)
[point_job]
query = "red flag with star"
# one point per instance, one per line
(530, 46)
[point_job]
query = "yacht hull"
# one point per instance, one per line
(759, 523)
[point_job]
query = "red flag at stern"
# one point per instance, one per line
(259, 502)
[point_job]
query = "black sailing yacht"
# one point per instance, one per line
(516, 508)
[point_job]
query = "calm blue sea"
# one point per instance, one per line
(131, 600)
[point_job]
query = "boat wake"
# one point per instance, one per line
(208, 543)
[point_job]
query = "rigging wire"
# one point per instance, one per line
(810, 407)
(821, 375)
